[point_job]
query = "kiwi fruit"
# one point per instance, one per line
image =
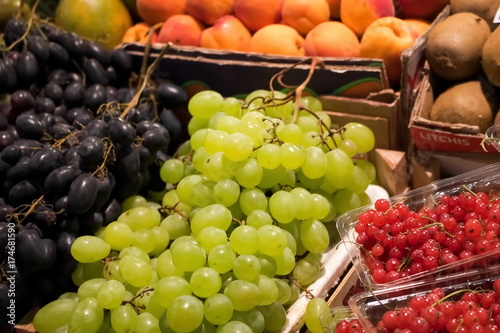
(491, 58)
(454, 46)
(472, 103)
(485, 9)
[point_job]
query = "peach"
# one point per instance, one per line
(332, 39)
(277, 39)
(422, 9)
(256, 14)
(208, 11)
(359, 14)
(227, 33)
(419, 25)
(303, 15)
(181, 29)
(157, 11)
(385, 39)
(138, 33)
(334, 9)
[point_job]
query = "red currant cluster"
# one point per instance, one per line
(349, 326)
(462, 311)
(398, 241)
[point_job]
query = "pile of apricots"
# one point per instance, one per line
(378, 29)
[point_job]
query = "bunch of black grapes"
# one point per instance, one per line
(69, 154)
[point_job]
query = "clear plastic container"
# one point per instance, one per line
(335, 316)
(485, 179)
(492, 135)
(370, 306)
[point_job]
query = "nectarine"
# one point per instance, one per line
(419, 25)
(359, 14)
(181, 29)
(422, 9)
(138, 33)
(256, 14)
(157, 11)
(303, 15)
(278, 39)
(332, 39)
(227, 33)
(208, 11)
(385, 39)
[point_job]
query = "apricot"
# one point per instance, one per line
(227, 33)
(332, 39)
(385, 39)
(208, 11)
(256, 14)
(278, 39)
(181, 29)
(303, 15)
(334, 9)
(157, 11)
(359, 14)
(138, 33)
(419, 25)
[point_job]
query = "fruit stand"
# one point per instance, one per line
(249, 166)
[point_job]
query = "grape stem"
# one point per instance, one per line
(308, 292)
(29, 25)
(136, 307)
(106, 262)
(21, 216)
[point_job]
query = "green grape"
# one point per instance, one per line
(237, 215)
(77, 275)
(268, 290)
(268, 156)
(124, 319)
(272, 240)
(234, 327)
(218, 309)
(219, 167)
(254, 131)
(135, 271)
(199, 158)
(365, 199)
(272, 177)
(226, 192)
(315, 310)
(284, 291)
(184, 189)
(243, 294)
(203, 193)
(215, 215)
(306, 182)
(197, 139)
(314, 235)
(267, 265)
(205, 282)
(215, 141)
(144, 239)
(161, 239)
(237, 147)
(340, 169)
(113, 270)
(288, 180)
(140, 218)
(254, 117)
(306, 271)
(369, 169)
(274, 316)
(93, 270)
(168, 288)
(171, 201)
(111, 294)
(90, 288)
(205, 104)
(253, 318)
(311, 139)
(195, 124)
(325, 118)
(172, 171)
(361, 135)
(185, 313)
(176, 226)
(292, 156)
(276, 108)
(228, 124)
(133, 201)
(291, 133)
(249, 173)
(360, 180)
(88, 249)
(257, 96)
(231, 106)
(295, 293)
(258, 217)
(252, 199)
(118, 235)
(134, 251)
(285, 262)
(87, 316)
(307, 123)
(283, 206)
(315, 163)
(210, 237)
(53, 315)
(221, 258)
(244, 239)
(321, 207)
(332, 212)
(183, 149)
(291, 241)
(349, 147)
(154, 307)
(147, 323)
(69, 295)
(182, 239)
(312, 103)
(346, 200)
(246, 267)
(188, 256)
(214, 119)
(165, 266)
(305, 203)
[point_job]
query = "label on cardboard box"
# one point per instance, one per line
(497, 16)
